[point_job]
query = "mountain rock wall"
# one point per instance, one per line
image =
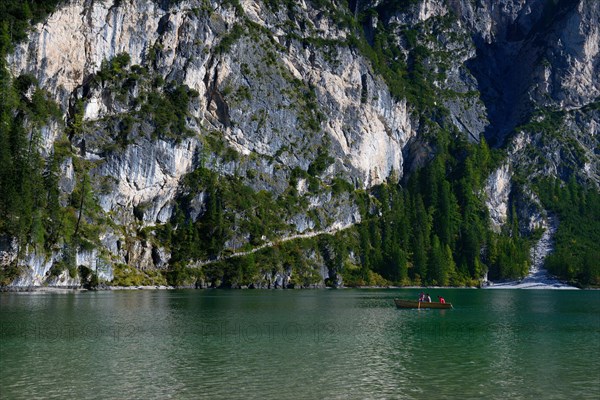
(277, 99)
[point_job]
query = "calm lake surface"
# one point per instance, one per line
(312, 344)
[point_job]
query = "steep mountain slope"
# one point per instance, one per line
(191, 131)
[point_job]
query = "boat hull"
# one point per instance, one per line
(425, 305)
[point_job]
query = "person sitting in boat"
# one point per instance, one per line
(427, 298)
(442, 300)
(422, 296)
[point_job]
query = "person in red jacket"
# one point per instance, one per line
(441, 299)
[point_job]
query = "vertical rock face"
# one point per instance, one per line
(275, 100)
(75, 40)
(368, 136)
(145, 174)
(497, 191)
(273, 91)
(508, 63)
(533, 54)
(570, 73)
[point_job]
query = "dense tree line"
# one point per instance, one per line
(435, 228)
(576, 251)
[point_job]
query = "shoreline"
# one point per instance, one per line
(74, 289)
(66, 289)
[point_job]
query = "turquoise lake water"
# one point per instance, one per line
(309, 344)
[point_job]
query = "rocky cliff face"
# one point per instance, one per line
(182, 44)
(271, 90)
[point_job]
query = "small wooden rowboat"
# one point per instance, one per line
(423, 304)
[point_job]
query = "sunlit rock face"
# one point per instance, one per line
(497, 191)
(367, 135)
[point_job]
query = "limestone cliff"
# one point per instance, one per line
(278, 98)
